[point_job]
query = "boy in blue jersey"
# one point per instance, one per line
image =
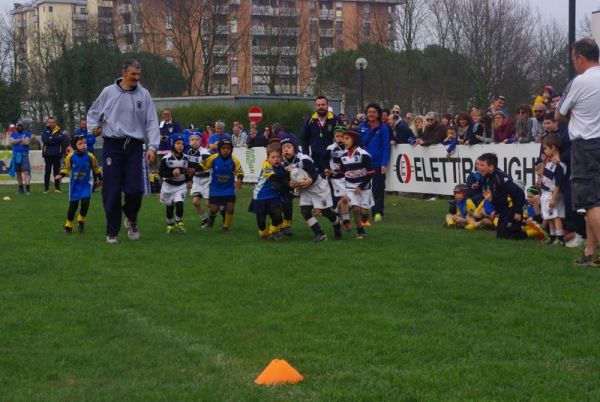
(266, 200)
(226, 177)
(79, 166)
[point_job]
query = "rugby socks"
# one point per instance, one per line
(314, 226)
(80, 218)
(21, 188)
(560, 235)
(227, 220)
(69, 224)
(204, 218)
(179, 211)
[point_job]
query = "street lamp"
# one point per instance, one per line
(361, 66)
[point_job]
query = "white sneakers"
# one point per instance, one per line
(576, 241)
(132, 230)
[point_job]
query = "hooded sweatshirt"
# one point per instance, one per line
(123, 113)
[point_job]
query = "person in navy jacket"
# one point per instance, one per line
(52, 152)
(318, 131)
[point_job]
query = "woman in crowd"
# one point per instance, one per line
(524, 124)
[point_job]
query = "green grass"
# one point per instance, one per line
(414, 312)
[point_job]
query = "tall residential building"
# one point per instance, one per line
(250, 46)
(41, 24)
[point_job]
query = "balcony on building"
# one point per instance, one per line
(326, 14)
(80, 17)
(326, 32)
(124, 9)
(326, 51)
(223, 9)
(262, 10)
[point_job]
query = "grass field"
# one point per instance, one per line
(414, 312)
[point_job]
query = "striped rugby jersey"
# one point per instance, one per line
(357, 168)
(305, 162)
(554, 175)
(169, 163)
(333, 158)
(196, 156)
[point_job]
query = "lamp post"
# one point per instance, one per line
(361, 66)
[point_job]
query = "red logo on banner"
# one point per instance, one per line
(403, 168)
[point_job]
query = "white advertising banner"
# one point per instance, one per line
(251, 160)
(35, 159)
(429, 170)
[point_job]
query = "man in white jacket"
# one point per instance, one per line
(125, 114)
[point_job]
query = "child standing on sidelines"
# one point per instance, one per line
(331, 163)
(226, 177)
(201, 179)
(552, 183)
(358, 172)
(79, 165)
(314, 191)
(266, 200)
(176, 181)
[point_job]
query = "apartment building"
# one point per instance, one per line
(39, 22)
(250, 46)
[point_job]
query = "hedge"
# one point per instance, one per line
(289, 115)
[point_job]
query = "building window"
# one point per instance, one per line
(366, 30)
(339, 26)
(312, 4)
(169, 43)
(169, 59)
(169, 26)
(83, 10)
(50, 9)
(233, 66)
(234, 26)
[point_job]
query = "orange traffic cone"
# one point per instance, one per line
(279, 372)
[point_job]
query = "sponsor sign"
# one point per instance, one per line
(417, 169)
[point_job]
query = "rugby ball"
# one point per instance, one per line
(298, 175)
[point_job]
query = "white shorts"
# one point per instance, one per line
(362, 200)
(200, 185)
(338, 186)
(318, 195)
(550, 213)
(170, 194)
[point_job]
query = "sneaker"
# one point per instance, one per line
(211, 222)
(57, 190)
(132, 230)
(366, 224)
(226, 230)
(204, 224)
(170, 229)
(46, 191)
(360, 234)
(347, 226)
(112, 239)
(277, 236)
(287, 232)
(180, 226)
(19, 192)
(337, 232)
(470, 227)
(27, 192)
(548, 241)
(558, 242)
(68, 229)
(319, 238)
(587, 261)
(576, 241)
(378, 217)
(80, 227)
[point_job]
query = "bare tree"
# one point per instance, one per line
(584, 28)
(408, 22)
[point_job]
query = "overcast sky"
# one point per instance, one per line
(558, 9)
